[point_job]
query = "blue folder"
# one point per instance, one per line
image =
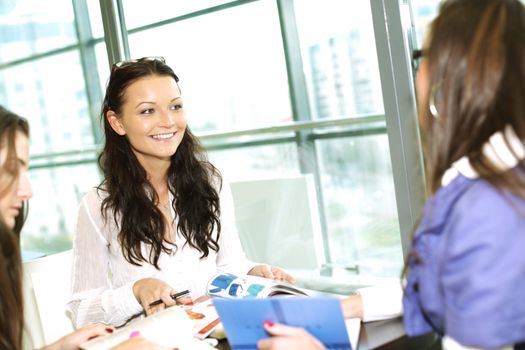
(243, 319)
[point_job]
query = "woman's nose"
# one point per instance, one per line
(24, 187)
(167, 119)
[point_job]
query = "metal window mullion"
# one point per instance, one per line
(113, 34)
(123, 29)
(190, 15)
(89, 66)
(308, 161)
(400, 113)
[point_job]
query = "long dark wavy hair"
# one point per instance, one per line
(194, 182)
(475, 54)
(11, 304)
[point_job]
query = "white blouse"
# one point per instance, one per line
(102, 279)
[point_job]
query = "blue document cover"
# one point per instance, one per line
(243, 319)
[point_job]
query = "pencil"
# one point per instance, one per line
(173, 296)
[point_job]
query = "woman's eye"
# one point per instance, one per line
(176, 107)
(147, 111)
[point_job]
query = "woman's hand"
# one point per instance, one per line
(148, 290)
(352, 307)
(73, 340)
(138, 343)
(271, 272)
(287, 337)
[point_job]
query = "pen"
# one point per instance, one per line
(173, 296)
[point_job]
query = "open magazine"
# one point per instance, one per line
(227, 285)
(203, 315)
(172, 327)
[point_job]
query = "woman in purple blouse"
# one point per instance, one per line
(466, 270)
(466, 278)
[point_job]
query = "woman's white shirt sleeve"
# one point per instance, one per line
(450, 344)
(382, 301)
(94, 299)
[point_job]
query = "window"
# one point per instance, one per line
(232, 76)
(273, 88)
(44, 78)
(339, 58)
(236, 78)
(342, 75)
(423, 12)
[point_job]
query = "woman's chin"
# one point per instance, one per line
(10, 221)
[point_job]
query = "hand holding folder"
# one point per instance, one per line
(243, 319)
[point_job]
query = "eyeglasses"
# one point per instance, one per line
(127, 63)
(124, 63)
(417, 55)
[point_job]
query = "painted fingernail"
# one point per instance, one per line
(134, 334)
(268, 323)
(109, 329)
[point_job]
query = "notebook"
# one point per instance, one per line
(243, 319)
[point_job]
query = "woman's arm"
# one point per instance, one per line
(379, 302)
(73, 340)
(94, 299)
(450, 344)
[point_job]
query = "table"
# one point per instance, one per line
(385, 335)
(390, 335)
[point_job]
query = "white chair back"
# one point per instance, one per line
(278, 221)
(47, 286)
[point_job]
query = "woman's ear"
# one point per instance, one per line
(115, 123)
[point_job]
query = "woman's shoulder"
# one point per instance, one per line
(483, 196)
(94, 196)
(487, 216)
(471, 211)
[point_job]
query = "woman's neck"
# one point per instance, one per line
(157, 172)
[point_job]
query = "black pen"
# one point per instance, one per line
(173, 296)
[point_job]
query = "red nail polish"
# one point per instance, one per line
(268, 323)
(109, 330)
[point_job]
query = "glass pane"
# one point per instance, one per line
(423, 12)
(95, 19)
(53, 209)
(256, 162)
(360, 205)
(339, 58)
(103, 69)
(139, 13)
(54, 103)
(30, 27)
(232, 76)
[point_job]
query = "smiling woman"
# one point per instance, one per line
(161, 221)
(154, 125)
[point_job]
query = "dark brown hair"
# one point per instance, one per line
(475, 54)
(193, 181)
(11, 304)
